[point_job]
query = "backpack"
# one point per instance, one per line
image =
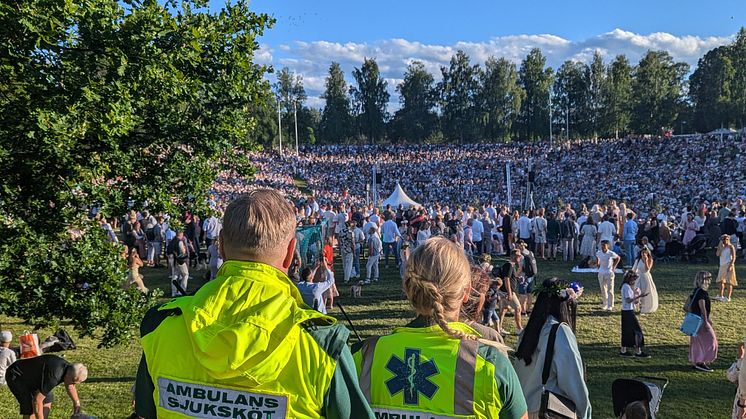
(529, 265)
(150, 234)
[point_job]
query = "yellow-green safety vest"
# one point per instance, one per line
(424, 373)
(238, 350)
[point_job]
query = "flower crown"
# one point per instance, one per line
(561, 289)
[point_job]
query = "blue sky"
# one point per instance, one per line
(310, 34)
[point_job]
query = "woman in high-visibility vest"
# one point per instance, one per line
(436, 366)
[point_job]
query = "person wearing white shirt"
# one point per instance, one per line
(211, 227)
(314, 283)
(607, 262)
(360, 239)
(339, 220)
(374, 254)
(423, 234)
(524, 227)
(7, 355)
(390, 232)
(632, 335)
(606, 231)
(375, 218)
(477, 231)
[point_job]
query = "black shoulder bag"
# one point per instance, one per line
(553, 406)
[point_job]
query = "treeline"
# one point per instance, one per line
(501, 101)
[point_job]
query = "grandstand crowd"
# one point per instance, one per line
(670, 173)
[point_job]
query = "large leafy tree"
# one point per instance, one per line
(596, 87)
(535, 79)
(617, 97)
(371, 99)
(416, 120)
(657, 92)
(335, 119)
(710, 89)
(103, 102)
(738, 85)
(571, 91)
(500, 98)
(458, 95)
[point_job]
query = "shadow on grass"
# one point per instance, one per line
(111, 380)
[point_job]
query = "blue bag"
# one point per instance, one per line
(692, 322)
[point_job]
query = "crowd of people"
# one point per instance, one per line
(672, 193)
(251, 328)
(665, 172)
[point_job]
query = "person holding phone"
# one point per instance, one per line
(632, 335)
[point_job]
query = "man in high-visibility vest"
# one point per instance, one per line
(245, 345)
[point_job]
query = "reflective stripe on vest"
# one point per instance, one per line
(463, 385)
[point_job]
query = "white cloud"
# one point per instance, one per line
(263, 55)
(312, 59)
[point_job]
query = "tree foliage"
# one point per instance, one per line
(102, 103)
(572, 98)
(500, 99)
(416, 120)
(335, 119)
(657, 92)
(535, 78)
(458, 95)
(371, 99)
(617, 97)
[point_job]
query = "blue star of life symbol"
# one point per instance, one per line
(411, 376)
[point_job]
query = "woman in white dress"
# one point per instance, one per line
(589, 232)
(643, 265)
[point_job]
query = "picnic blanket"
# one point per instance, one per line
(575, 269)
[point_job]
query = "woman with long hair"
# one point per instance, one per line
(642, 266)
(703, 347)
(555, 303)
(589, 232)
(690, 229)
(134, 278)
(632, 335)
(726, 251)
(438, 365)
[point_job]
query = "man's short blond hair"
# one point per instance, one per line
(258, 222)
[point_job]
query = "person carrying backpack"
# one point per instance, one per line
(528, 272)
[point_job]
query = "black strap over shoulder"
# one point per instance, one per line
(154, 317)
(550, 354)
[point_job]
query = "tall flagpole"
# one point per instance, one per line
(295, 117)
(279, 123)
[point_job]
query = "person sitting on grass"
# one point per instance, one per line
(7, 355)
(32, 380)
(631, 331)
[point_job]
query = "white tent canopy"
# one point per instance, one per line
(399, 197)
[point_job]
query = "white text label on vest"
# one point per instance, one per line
(406, 414)
(203, 401)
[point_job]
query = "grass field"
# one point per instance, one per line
(690, 394)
